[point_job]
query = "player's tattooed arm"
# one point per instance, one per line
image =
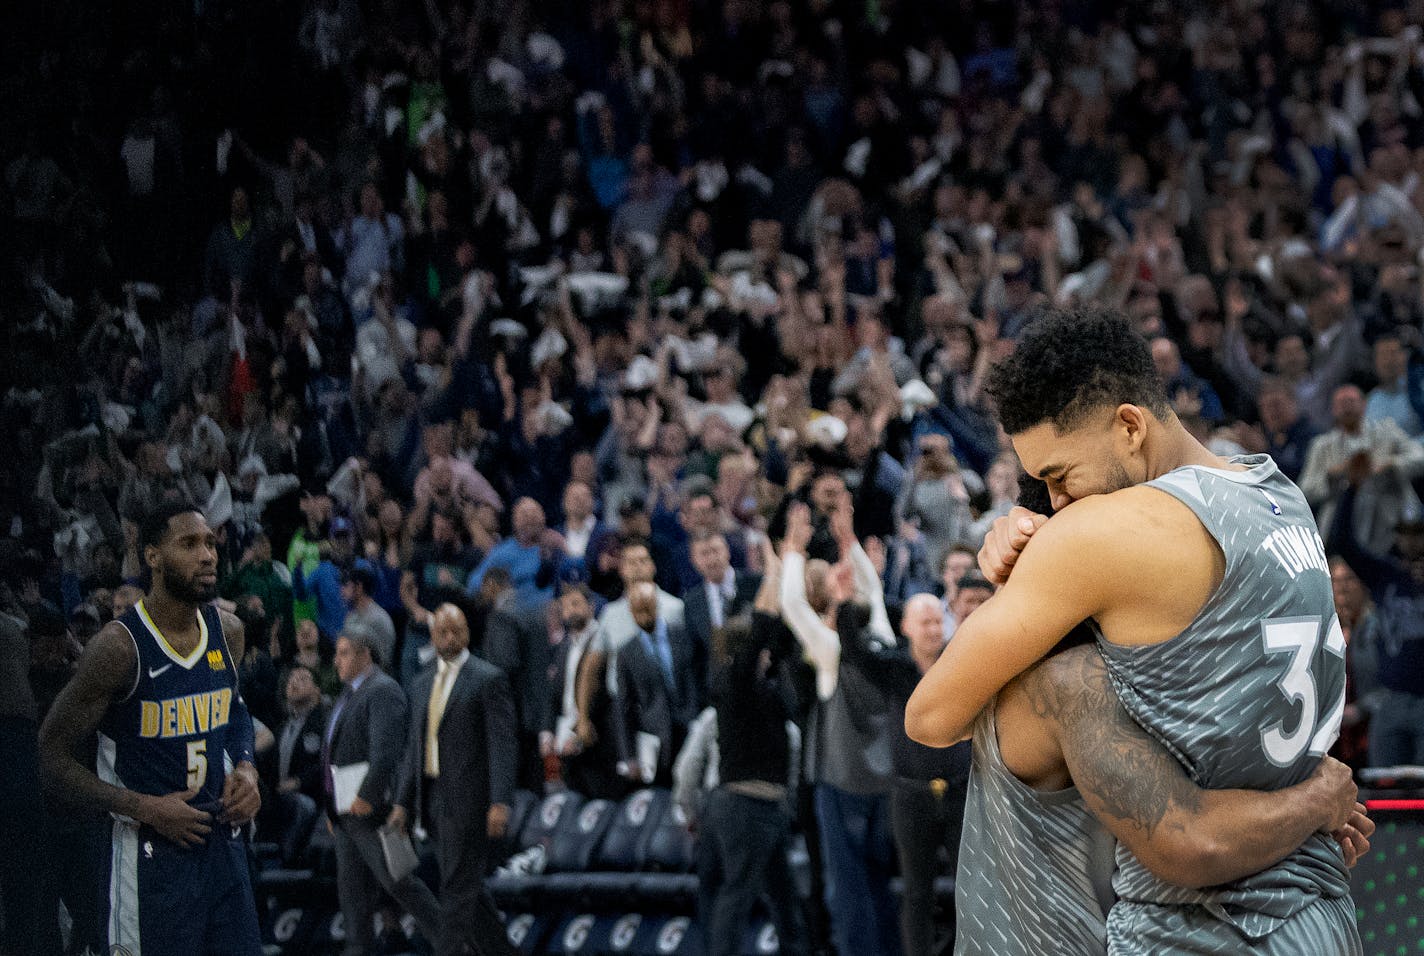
(107, 672)
(1181, 832)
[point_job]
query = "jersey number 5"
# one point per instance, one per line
(1301, 636)
(197, 764)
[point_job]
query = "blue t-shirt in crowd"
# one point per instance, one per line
(522, 562)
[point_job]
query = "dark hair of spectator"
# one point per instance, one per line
(964, 548)
(973, 580)
(364, 577)
(576, 587)
(729, 640)
(1071, 363)
(298, 667)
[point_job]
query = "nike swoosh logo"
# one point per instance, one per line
(155, 671)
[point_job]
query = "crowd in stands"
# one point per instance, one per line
(652, 335)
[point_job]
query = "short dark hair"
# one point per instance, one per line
(362, 576)
(576, 587)
(1071, 362)
(952, 551)
(732, 638)
(974, 580)
(298, 667)
(154, 527)
(499, 577)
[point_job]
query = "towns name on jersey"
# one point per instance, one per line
(1298, 549)
(183, 716)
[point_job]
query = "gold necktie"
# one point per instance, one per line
(439, 694)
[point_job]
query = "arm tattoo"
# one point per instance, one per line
(1119, 768)
(106, 673)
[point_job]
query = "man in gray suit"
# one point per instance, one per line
(655, 685)
(368, 725)
(458, 779)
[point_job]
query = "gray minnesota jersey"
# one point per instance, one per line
(1035, 869)
(1249, 696)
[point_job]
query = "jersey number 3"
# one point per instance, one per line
(1300, 637)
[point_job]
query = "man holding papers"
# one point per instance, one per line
(360, 757)
(457, 780)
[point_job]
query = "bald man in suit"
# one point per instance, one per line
(458, 780)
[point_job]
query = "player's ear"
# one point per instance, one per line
(1131, 427)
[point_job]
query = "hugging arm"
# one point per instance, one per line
(1181, 832)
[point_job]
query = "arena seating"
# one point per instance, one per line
(575, 876)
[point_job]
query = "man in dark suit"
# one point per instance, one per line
(655, 685)
(722, 594)
(368, 725)
(291, 767)
(516, 640)
(576, 730)
(299, 739)
(458, 780)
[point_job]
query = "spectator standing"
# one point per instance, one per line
(358, 588)
(851, 730)
(635, 566)
(1396, 734)
(1390, 399)
(530, 555)
(580, 732)
(1392, 460)
(745, 822)
(325, 584)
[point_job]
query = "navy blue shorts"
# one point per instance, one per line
(165, 900)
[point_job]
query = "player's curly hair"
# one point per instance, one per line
(154, 526)
(1070, 362)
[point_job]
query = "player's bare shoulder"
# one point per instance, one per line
(110, 659)
(235, 632)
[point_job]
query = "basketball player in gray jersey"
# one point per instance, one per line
(1060, 769)
(1209, 590)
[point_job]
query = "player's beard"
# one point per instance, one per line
(1118, 478)
(189, 590)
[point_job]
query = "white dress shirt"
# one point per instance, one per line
(719, 595)
(576, 538)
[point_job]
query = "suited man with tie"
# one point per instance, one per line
(368, 725)
(656, 687)
(722, 594)
(458, 780)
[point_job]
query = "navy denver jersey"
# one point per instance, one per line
(171, 732)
